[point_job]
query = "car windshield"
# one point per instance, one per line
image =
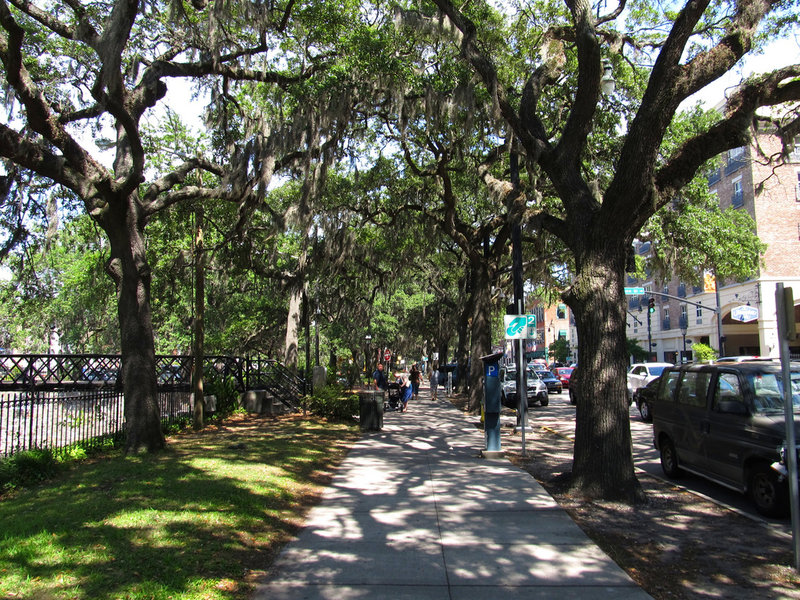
(768, 391)
(544, 374)
(656, 370)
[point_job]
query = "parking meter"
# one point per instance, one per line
(491, 403)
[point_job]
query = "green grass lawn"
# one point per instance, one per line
(200, 520)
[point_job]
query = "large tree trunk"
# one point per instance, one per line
(291, 346)
(129, 268)
(461, 353)
(603, 459)
(481, 332)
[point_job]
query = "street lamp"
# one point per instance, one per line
(607, 83)
(316, 337)
(368, 339)
(684, 329)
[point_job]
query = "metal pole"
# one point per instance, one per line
(519, 302)
(198, 349)
(720, 337)
(788, 411)
(316, 338)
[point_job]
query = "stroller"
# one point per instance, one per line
(393, 398)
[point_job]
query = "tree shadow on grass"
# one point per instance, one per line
(191, 520)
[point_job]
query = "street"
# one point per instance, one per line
(559, 416)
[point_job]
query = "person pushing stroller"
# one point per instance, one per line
(406, 390)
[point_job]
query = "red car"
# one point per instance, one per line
(563, 374)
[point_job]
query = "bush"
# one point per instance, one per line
(333, 403)
(227, 396)
(27, 468)
(703, 352)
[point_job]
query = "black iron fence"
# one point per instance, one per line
(56, 401)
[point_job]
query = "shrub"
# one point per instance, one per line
(333, 403)
(227, 396)
(27, 468)
(703, 352)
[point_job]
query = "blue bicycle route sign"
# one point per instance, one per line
(520, 327)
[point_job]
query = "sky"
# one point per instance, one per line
(779, 53)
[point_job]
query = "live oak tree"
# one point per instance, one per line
(551, 101)
(73, 70)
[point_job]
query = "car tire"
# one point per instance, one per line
(669, 458)
(644, 410)
(769, 494)
(544, 401)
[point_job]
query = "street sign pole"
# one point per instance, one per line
(784, 302)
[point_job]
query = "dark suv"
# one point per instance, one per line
(725, 422)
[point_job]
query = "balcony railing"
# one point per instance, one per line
(734, 164)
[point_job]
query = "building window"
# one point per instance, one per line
(699, 314)
(797, 188)
(737, 199)
(666, 319)
(562, 334)
(682, 290)
(735, 160)
(666, 288)
(561, 311)
(794, 155)
(684, 324)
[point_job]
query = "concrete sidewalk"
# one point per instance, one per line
(415, 512)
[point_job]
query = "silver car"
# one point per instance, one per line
(639, 375)
(537, 390)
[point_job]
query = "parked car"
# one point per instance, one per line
(742, 358)
(99, 373)
(641, 374)
(551, 381)
(537, 390)
(563, 374)
(644, 397)
(725, 422)
(171, 375)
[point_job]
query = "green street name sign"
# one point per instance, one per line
(634, 291)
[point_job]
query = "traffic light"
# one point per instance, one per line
(651, 305)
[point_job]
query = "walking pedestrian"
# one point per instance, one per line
(405, 390)
(434, 380)
(416, 378)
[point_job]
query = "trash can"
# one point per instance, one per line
(370, 410)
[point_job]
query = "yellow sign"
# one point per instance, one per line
(709, 282)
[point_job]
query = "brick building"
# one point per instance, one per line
(771, 194)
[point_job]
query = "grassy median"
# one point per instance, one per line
(201, 520)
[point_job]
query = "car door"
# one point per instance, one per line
(636, 377)
(726, 435)
(692, 424)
